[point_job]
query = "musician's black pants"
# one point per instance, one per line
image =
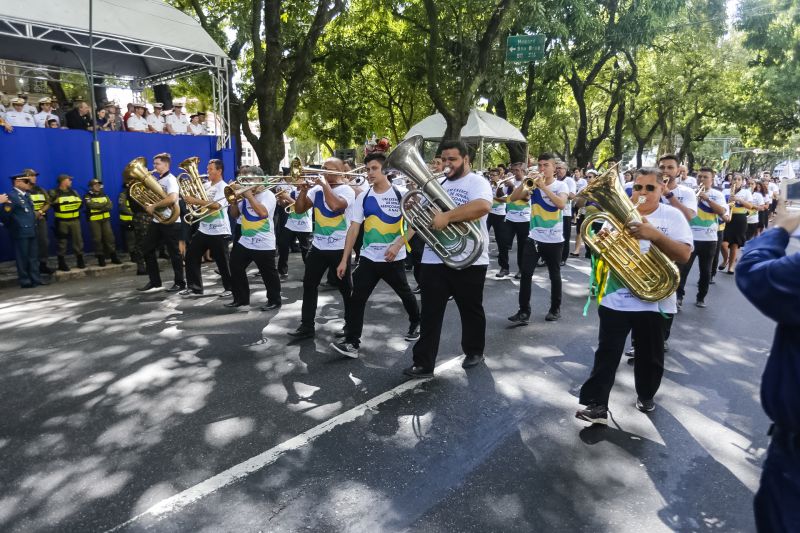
(365, 277)
(285, 240)
(550, 253)
(704, 251)
(501, 237)
(519, 230)
(715, 262)
(438, 283)
(194, 257)
(647, 329)
(317, 263)
(567, 235)
(241, 257)
(169, 235)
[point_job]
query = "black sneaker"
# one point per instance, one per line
(283, 277)
(645, 406)
(518, 275)
(302, 332)
(552, 316)
(149, 287)
(345, 348)
(418, 372)
(700, 303)
(270, 307)
(177, 287)
(187, 292)
(594, 413)
(416, 290)
(472, 360)
(503, 273)
(521, 317)
(711, 281)
(413, 332)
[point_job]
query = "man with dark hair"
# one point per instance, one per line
(66, 204)
(472, 195)
(98, 212)
(678, 196)
(621, 312)
(17, 214)
(545, 237)
(572, 187)
(711, 205)
(382, 254)
(211, 234)
(159, 233)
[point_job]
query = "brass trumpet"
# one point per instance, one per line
(700, 190)
(235, 191)
(529, 183)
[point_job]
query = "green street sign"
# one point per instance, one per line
(524, 48)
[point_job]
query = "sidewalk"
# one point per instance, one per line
(8, 270)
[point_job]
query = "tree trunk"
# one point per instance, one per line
(619, 128)
(517, 152)
(58, 91)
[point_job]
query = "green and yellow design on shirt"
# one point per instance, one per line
(379, 228)
(543, 215)
(327, 222)
(252, 224)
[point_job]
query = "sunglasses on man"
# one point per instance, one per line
(648, 187)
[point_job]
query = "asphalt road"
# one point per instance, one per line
(161, 413)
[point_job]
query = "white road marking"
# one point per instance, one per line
(223, 479)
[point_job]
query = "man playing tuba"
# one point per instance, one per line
(620, 312)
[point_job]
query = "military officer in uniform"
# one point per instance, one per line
(16, 117)
(66, 205)
(178, 122)
(155, 120)
(26, 107)
(45, 113)
(137, 122)
(18, 215)
(41, 203)
(98, 211)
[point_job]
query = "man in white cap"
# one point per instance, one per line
(137, 122)
(178, 122)
(26, 107)
(155, 120)
(45, 113)
(16, 117)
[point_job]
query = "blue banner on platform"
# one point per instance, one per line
(52, 152)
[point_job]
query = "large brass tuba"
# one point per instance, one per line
(459, 244)
(145, 189)
(650, 276)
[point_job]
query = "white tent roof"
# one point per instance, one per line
(480, 125)
(135, 38)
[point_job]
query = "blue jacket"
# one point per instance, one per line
(19, 216)
(771, 281)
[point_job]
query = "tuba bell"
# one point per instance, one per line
(650, 276)
(145, 190)
(459, 244)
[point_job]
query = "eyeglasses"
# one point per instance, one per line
(649, 187)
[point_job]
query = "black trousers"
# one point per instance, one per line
(285, 240)
(194, 257)
(415, 255)
(241, 258)
(550, 253)
(438, 283)
(647, 329)
(519, 230)
(501, 237)
(715, 261)
(365, 277)
(317, 263)
(567, 236)
(704, 250)
(169, 235)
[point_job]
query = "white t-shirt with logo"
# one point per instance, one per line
(572, 189)
(685, 196)
(299, 222)
(169, 183)
(581, 184)
(330, 227)
(706, 223)
(380, 216)
(547, 222)
(257, 233)
(464, 190)
(519, 210)
(774, 190)
(690, 181)
(499, 208)
(218, 223)
(758, 201)
(743, 194)
(671, 222)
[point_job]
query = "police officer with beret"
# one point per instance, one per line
(18, 215)
(98, 211)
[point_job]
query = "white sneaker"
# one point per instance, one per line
(226, 294)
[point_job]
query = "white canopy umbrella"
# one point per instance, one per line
(480, 127)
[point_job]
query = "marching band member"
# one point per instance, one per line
(678, 196)
(545, 237)
(211, 234)
(711, 205)
(497, 220)
(296, 226)
(330, 201)
(518, 217)
(382, 254)
(620, 312)
(566, 213)
(472, 195)
(256, 244)
(740, 201)
(159, 233)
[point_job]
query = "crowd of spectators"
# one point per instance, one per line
(19, 113)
